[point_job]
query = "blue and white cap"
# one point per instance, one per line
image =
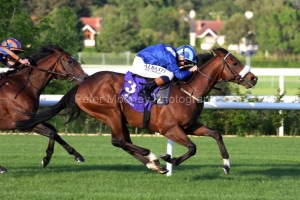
(188, 52)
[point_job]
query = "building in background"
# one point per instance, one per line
(92, 27)
(208, 33)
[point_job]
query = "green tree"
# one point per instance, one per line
(60, 28)
(120, 29)
(235, 29)
(44, 7)
(281, 35)
(15, 22)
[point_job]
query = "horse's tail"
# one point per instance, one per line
(67, 101)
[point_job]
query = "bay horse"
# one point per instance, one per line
(21, 88)
(99, 96)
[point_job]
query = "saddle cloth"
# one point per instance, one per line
(133, 84)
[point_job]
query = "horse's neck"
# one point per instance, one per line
(204, 80)
(37, 79)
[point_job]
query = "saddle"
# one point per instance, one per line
(162, 96)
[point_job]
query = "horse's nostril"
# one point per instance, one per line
(254, 78)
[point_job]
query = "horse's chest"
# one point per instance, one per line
(188, 114)
(3, 106)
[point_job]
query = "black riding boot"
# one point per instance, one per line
(147, 90)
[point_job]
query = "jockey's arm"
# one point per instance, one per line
(172, 66)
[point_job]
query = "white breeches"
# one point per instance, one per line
(148, 70)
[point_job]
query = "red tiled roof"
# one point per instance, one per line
(94, 22)
(202, 26)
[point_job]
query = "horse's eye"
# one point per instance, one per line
(235, 64)
(70, 61)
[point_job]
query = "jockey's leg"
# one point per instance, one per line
(148, 89)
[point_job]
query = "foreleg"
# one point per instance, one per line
(176, 134)
(199, 129)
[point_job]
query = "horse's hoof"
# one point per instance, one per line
(226, 165)
(45, 162)
(165, 157)
(3, 170)
(226, 169)
(79, 159)
(155, 165)
(162, 170)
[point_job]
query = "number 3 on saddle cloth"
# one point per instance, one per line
(132, 85)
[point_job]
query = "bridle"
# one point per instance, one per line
(58, 60)
(241, 75)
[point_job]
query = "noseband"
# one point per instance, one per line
(58, 60)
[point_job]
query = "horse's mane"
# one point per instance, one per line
(203, 58)
(35, 57)
(42, 53)
(220, 49)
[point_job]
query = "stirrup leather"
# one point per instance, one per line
(146, 94)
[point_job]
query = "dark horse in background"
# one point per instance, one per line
(99, 97)
(21, 88)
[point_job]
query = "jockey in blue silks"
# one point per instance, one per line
(162, 62)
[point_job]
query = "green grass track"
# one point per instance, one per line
(261, 168)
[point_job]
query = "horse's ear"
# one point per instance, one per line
(56, 51)
(214, 49)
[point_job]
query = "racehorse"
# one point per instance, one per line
(99, 96)
(21, 88)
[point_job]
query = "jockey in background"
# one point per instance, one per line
(162, 62)
(9, 50)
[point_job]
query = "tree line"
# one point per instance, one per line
(132, 25)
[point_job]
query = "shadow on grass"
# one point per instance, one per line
(207, 172)
(272, 171)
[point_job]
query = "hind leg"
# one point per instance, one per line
(121, 138)
(202, 130)
(49, 131)
(151, 161)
